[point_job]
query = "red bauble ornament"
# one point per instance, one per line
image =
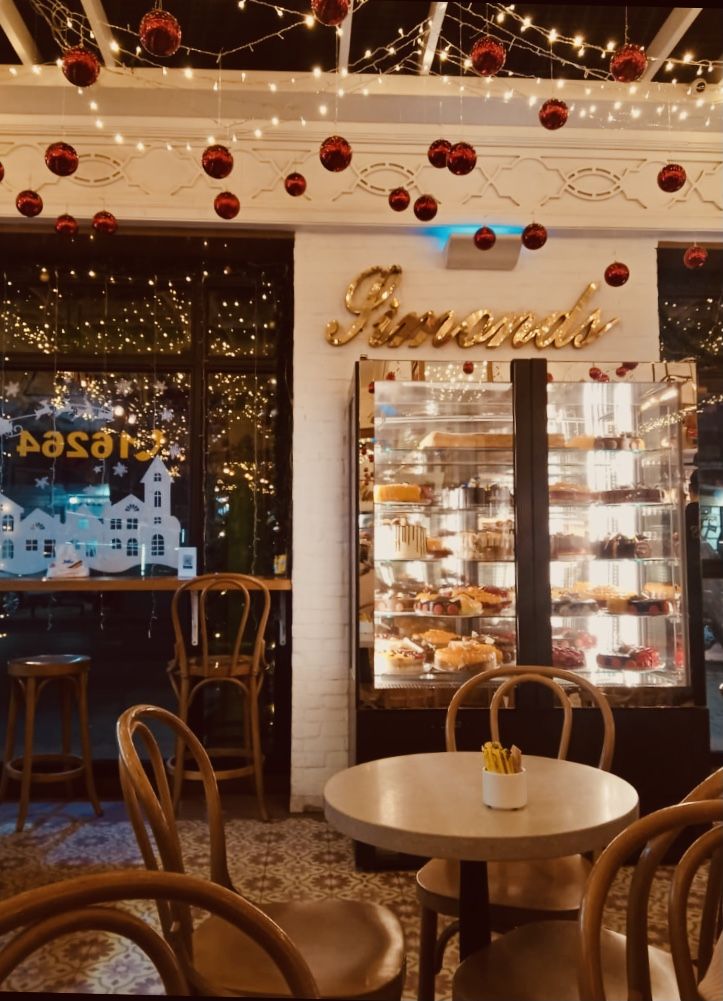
(330, 12)
(621, 372)
(628, 64)
(391, 376)
(671, 177)
(630, 365)
(616, 274)
(534, 236)
(29, 203)
(227, 205)
(370, 387)
(2, 172)
(105, 222)
(484, 238)
(66, 225)
(438, 152)
(295, 184)
(335, 154)
(160, 33)
(553, 114)
(468, 367)
(399, 199)
(80, 67)
(488, 56)
(461, 159)
(217, 161)
(425, 207)
(61, 159)
(604, 377)
(550, 377)
(695, 257)
(595, 373)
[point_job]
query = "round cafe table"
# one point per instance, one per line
(431, 805)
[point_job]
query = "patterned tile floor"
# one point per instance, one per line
(297, 856)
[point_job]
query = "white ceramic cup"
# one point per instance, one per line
(504, 792)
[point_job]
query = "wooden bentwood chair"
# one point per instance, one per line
(80, 905)
(354, 949)
(193, 671)
(583, 961)
(518, 891)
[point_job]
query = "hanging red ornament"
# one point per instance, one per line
(105, 222)
(80, 67)
(628, 64)
(553, 114)
(468, 367)
(66, 225)
(534, 236)
(461, 159)
(330, 12)
(484, 238)
(630, 365)
(438, 152)
(695, 257)
(425, 207)
(370, 388)
(61, 159)
(399, 199)
(217, 161)
(550, 377)
(671, 177)
(226, 205)
(29, 203)
(604, 377)
(2, 172)
(295, 184)
(335, 154)
(488, 56)
(621, 372)
(595, 373)
(160, 33)
(391, 376)
(616, 274)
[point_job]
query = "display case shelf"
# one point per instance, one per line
(441, 559)
(426, 616)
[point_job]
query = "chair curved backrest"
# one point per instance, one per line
(155, 805)
(79, 904)
(665, 823)
(510, 677)
(229, 587)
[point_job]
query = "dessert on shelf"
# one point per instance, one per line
(432, 640)
(446, 601)
(466, 439)
(466, 655)
(436, 547)
(564, 603)
(601, 593)
(475, 493)
(504, 640)
(655, 589)
(565, 544)
(624, 547)
(396, 539)
(630, 494)
(402, 658)
(568, 657)
(570, 493)
(494, 540)
(404, 493)
(393, 601)
(629, 657)
(625, 442)
(584, 442)
(580, 639)
(638, 604)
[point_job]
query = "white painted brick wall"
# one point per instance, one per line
(325, 263)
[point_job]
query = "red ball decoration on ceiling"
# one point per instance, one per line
(61, 159)
(80, 67)
(295, 184)
(628, 64)
(160, 33)
(604, 377)
(29, 203)
(66, 225)
(630, 365)
(105, 222)
(488, 56)
(695, 257)
(227, 205)
(2, 172)
(595, 373)
(461, 159)
(616, 274)
(370, 388)
(217, 161)
(438, 152)
(330, 12)
(484, 238)
(621, 372)
(335, 154)
(391, 376)
(425, 207)
(672, 177)
(468, 367)
(553, 114)
(399, 199)
(534, 236)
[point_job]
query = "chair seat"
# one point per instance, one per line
(537, 962)
(354, 950)
(222, 666)
(550, 885)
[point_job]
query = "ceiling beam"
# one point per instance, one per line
(342, 63)
(670, 33)
(18, 35)
(98, 19)
(436, 16)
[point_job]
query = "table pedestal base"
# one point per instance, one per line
(474, 908)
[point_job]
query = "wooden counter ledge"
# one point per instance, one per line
(39, 584)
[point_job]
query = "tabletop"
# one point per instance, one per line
(431, 805)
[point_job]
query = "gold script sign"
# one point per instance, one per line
(370, 297)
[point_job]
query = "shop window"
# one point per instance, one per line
(157, 477)
(157, 520)
(116, 544)
(157, 545)
(132, 507)
(132, 524)
(31, 545)
(8, 523)
(132, 547)
(49, 548)
(91, 549)
(8, 549)
(116, 524)
(157, 498)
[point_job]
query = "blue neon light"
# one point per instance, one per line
(441, 234)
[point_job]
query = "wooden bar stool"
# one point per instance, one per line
(28, 678)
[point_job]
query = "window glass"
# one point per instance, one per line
(247, 320)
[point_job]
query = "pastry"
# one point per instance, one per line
(625, 495)
(570, 605)
(556, 441)
(577, 638)
(398, 540)
(492, 599)
(405, 658)
(564, 544)
(570, 493)
(567, 656)
(623, 547)
(394, 601)
(445, 602)
(630, 657)
(504, 641)
(657, 590)
(406, 493)
(602, 593)
(582, 441)
(467, 655)
(466, 439)
(494, 541)
(626, 441)
(432, 640)
(436, 548)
